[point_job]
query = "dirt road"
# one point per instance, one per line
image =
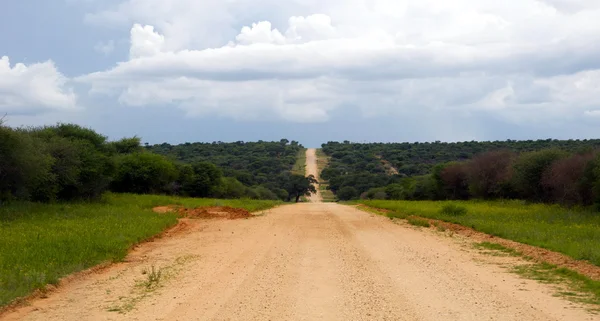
(311, 261)
(312, 169)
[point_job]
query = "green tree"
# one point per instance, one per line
(144, 173)
(127, 145)
(529, 169)
(206, 178)
(347, 193)
(25, 167)
(298, 186)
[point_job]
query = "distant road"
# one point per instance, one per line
(312, 169)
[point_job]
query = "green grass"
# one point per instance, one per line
(569, 284)
(322, 162)
(40, 243)
(299, 167)
(572, 285)
(574, 232)
(497, 248)
(418, 221)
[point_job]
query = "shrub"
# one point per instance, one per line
(453, 210)
(454, 181)
(416, 221)
(529, 169)
(490, 173)
(347, 193)
(563, 181)
(143, 173)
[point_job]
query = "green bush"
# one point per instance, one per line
(453, 210)
(418, 222)
(144, 173)
(347, 193)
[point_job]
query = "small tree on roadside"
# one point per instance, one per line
(298, 186)
(347, 193)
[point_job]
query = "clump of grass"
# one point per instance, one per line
(153, 277)
(453, 210)
(572, 285)
(497, 248)
(393, 215)
(418, 221)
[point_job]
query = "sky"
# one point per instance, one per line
(308, 70)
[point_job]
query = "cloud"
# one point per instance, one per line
(518, 60)
(145, 42)
(105, 48)
(30, 88)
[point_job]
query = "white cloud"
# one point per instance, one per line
(523, 60)
(145, 42)
(260, 33)
(105, 48)
(28, 88)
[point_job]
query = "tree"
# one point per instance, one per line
(25, 167)
(298, 186)
(206, 178)
(127, 145)
(454, 180)
(229, 187)
(347, 193)
(144, 173)
(490, 173)
(564, 180)
(528, 171)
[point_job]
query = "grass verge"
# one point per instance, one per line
(417, 221)
(322, 162)
(569, 284)
(299, 167)
(41, 243)
(574, 232)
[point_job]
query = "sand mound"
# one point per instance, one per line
(225, 212)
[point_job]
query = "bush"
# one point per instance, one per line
(144, 173)
(347, 193)
(490, 174)
(528, 171)
(377, 193)
(453, 210)
(416, 221)
(564, 180)
(453, 180)
(230, 187)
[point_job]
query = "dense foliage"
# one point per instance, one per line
(566, 172)
(263, 166)
(68, 162)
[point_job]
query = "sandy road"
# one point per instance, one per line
(311, 261)
(312, 169)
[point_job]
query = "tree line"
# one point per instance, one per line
(565, 172)
(68, 162)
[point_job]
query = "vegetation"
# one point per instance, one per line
(259, 166)
(551, 171)
(416, 221)
(298, 186)
(68, 162)
(40, 243)
(322, 163)
(573, 232)
(300, 165)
